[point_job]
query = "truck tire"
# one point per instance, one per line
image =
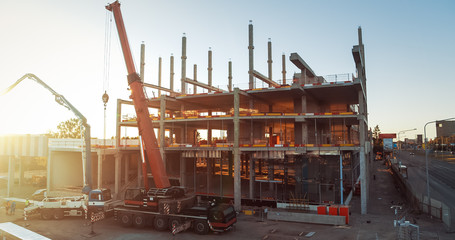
(126, 219)
(175, 220)
(139, 221)
(201, 227)
(46, 214)
(58, 214)
(160, 223)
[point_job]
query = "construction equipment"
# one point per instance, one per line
(165, 206)
(60, 99)
(96, 200)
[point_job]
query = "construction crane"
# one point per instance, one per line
(60, 99)
(140, 102)
(165, 206)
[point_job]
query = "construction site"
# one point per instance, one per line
(302, 140)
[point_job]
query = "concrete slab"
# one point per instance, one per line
(306, 218)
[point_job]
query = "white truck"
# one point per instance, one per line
(97, 200)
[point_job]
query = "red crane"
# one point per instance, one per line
(140, 102)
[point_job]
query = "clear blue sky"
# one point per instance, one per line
(409, 46)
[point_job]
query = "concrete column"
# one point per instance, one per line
(183, 90)
(251, 55)
(363, 160)
(9, 191)
(271, 171)
(21, 171)
(230, 76)
(183, 181)
(252, 177)
(209, 173)
(118, 160)
(209, 68)
(127, 167)
(171, 80)
(283, 71)
(209, 130)
(195, 78)
(230, 163)
(142, 65)
(300, 128)
(269, 61)
(159, 76)
(162, 128)
(49, 170)
(237, 179)
(118, 121)
(101, 156)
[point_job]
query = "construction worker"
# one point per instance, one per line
(27, 202)
(13, 208)
(7, 207)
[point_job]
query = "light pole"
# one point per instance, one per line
(426, 160)
(399, 143)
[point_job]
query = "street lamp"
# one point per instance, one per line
(399, 143)
(426, 160)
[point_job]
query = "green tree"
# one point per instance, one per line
(68, 129)
(377, 142)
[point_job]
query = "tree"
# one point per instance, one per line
(377, 142)
(68, 129)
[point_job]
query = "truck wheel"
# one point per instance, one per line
(126, 220)
(58, 214)
(160, 223)
(175, 221)
(201, 227)
(46, 214)
(139, 221)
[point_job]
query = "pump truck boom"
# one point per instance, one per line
(165, 206)
(60, 99)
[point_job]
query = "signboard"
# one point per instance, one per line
(387, 135)
(445, 128)
(388, 144)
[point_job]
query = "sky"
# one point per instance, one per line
(409, 51)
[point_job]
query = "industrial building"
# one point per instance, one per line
(301, 140)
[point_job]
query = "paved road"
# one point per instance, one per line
(441, 171)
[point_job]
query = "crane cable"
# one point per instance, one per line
(106, 70)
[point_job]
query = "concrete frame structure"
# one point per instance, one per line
(282, 135)
(304, 140)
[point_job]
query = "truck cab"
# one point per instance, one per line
(100, 200)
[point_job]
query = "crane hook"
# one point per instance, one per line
(105, 99)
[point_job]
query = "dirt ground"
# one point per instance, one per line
(377, 224)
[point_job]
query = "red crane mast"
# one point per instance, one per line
(140, 102)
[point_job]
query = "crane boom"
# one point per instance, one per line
(144, 122)
(60, 99)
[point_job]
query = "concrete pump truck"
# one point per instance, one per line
(165, 206)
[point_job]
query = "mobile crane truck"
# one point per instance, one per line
(166, 206)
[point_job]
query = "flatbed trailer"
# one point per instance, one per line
(201, 219)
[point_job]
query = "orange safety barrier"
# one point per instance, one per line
(322, 210)
(333, 210)
(344, 211)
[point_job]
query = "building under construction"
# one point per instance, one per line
(298, 141)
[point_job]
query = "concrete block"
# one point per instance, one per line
(306, 218)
